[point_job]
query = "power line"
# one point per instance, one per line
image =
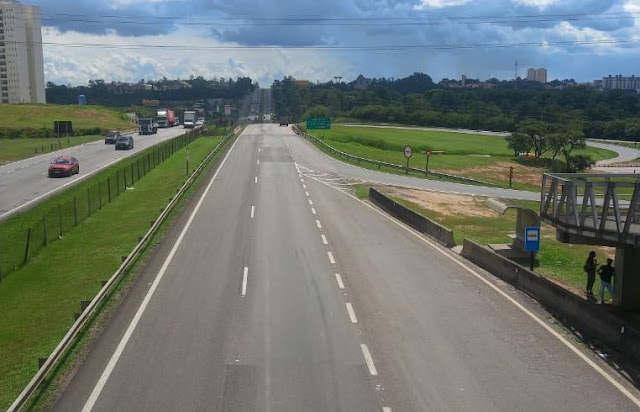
(384, 48)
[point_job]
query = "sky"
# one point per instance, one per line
(130, 40)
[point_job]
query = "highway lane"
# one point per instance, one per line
(285, 294)
(246, 316)
(24, 183)
(319, 163)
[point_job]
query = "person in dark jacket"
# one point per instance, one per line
(606, 272)
(590, 267)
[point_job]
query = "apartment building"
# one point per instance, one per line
(619, 82)
(21, 61)
(537, 75)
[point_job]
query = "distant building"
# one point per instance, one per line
(21, 62)
(619, 82)
(537, 75)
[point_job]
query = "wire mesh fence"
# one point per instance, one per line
(19, 244)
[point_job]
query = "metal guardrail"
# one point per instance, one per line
(86, 314)
(385, 164)
(600, 206)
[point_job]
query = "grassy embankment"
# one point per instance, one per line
(470, 217)
(37, 302)
(21, 117)
(481, 157)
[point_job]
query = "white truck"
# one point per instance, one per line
(189, 119)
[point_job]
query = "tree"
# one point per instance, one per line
(532, 134)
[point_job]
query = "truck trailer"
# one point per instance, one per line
(165, 118)
(189, 119)
(147, 126)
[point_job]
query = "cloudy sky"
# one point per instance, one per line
(129, 40)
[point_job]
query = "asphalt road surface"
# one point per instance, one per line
(25, 182)
(277, 291)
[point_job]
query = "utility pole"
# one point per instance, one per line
(516, 78)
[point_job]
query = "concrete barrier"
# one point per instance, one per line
(584, 316)
(413, 219)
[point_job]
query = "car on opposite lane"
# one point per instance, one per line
(124, 142)
(112, 137)
(64, 166)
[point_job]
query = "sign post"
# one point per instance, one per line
(407, 154)
(532, 242)
(426, 168)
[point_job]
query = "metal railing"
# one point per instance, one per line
(598, 206)
(381, 164)
(68, 339)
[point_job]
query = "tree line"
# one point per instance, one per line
(497, 105)
(106, 94)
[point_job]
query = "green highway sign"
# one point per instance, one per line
(318, 123)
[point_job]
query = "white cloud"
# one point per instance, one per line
(541, 4)
(439, 4)
(127, 61)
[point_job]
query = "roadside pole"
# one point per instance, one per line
(187, 160)
(426, 168)
(407, 154)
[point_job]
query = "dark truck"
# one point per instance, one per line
(147, 126)
(284, 121)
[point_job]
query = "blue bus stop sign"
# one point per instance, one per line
(532, 238)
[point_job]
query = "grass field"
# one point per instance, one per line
(481, 157)
(470, 217)
(36, 116)
(37, 302)
(16, 149)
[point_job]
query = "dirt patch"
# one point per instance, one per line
(500, 172)
(444, 203)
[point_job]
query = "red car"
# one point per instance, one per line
(64, 166)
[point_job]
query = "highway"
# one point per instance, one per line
(23, 183)
(278, 291)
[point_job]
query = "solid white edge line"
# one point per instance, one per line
(331, 259)
(352, 313)
(245, 275)
(318, 224)
(253, 211)
(93, 397)
(368, 359)
(533, 316)
(324, 239)
(339, 280)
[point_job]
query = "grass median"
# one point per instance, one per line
(37, 302)
(16, 149)
(481, 157)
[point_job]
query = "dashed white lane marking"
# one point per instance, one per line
(313, 210)
(256, 179)
(352, 313)
(386, 409)
(253, 211)
(304, 186)
(102, 381)
(301, 179)
(318, 224)
(368, 359)
(245, 275)
(324, 240)
(339, 280)
(258, 161)
(331, 259)
(307, 194)
(310, 202)
(530, 314)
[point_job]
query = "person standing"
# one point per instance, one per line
(590, 267)
(606, 272)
